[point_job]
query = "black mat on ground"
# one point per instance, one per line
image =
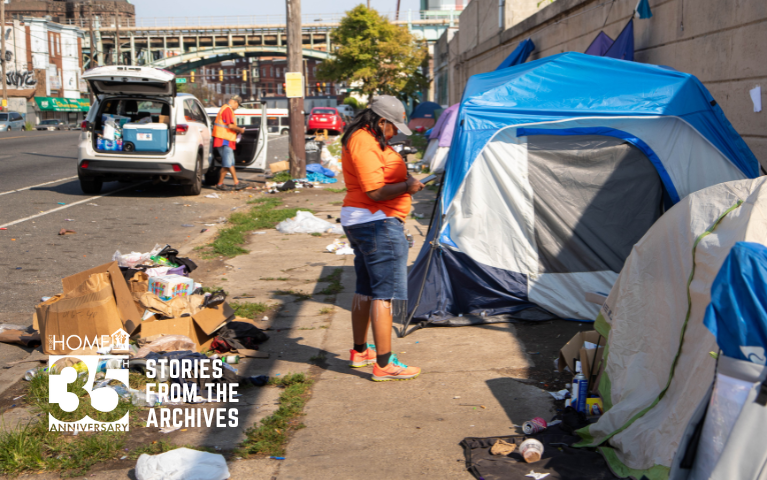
(559, 460)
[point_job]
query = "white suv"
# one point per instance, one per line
(166, 136)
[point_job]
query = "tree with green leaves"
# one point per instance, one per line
(383, 58)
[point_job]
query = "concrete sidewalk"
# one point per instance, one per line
(359, 428)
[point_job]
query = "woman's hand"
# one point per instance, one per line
(413, 185)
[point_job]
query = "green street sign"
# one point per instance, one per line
(180, 80)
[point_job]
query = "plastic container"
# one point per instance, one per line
(531, 449)
(146, 137)
(141, 399)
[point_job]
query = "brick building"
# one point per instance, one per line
(43, 62)
(73, 12)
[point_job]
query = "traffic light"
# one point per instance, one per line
(191, 76)
(220, 75)
(318, 87)
(244, 75)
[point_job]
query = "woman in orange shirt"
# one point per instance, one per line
(373, 216)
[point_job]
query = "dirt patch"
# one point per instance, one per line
(543, 340)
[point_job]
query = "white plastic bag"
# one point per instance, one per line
(182, 464)
(305, 222)
(129, 259)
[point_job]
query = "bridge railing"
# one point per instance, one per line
(108, 21)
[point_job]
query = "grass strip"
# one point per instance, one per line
(282, 176)
(262, 215)
(335, 286)
(248, 309)
(271, 436)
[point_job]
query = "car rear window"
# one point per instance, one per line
(48, 122)
(324, 111)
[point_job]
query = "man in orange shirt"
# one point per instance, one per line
(373, 214)
(225, 132)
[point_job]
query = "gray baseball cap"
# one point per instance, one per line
(391, 109)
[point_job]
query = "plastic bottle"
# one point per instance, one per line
(231, 359)
(580, 390)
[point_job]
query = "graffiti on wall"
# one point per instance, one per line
(17, 76)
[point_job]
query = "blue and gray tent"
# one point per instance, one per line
(557, 168)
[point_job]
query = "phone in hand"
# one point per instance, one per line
(428, 179)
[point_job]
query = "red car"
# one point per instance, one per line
(325, 118)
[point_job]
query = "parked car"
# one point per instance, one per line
(11, 121)
(325, 118)
(52, 125)
(346, 110)
(166, 136)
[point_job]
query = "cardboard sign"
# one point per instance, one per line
(294, 85)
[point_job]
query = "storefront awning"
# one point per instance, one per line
(54, 104)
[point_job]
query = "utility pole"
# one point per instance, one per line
(93, 44)
(2, 54)
(295, 105)
(117, 36)
(368, 4)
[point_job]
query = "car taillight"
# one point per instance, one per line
(182, 129)
(176, 167)
(84, 164)
(84, 125)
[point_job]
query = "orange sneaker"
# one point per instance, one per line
(395, 370)
(364, 359)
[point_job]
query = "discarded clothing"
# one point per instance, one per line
(560, 460)
(242, 335)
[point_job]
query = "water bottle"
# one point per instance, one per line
(580, 390)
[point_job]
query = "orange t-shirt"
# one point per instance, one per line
(367, 168)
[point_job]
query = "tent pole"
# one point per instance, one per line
(434, 244)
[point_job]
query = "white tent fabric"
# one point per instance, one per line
(435, 156)
(496, 196)
(658, 367)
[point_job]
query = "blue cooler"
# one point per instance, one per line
(145, 137)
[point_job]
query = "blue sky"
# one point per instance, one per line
(208, 8)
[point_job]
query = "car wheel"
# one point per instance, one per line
(284, 132)
(8, 129)
(196, 186)
(91, 186)
(23, 128)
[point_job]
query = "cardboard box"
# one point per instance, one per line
(279, 166)
(574, 349)
(164, 119)
(168, 287)
(95, 302)
(200, 327)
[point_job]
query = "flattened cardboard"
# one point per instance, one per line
(129, 315)
(200, 327)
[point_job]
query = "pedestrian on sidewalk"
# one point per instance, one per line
(377, 201)
(225, 132)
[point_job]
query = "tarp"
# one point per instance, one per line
(527, 220)
(658, 368)
(519, 55)
(737, 315)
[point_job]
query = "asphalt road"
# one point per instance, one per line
(40, 195)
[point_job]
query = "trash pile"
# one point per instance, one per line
(146, 307)
(111, 137)
(121, 134)
(339, 247)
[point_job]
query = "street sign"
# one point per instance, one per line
(180, 80)
(294, 85)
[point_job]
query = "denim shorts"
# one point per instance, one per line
(380, 258)
(227, 156)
